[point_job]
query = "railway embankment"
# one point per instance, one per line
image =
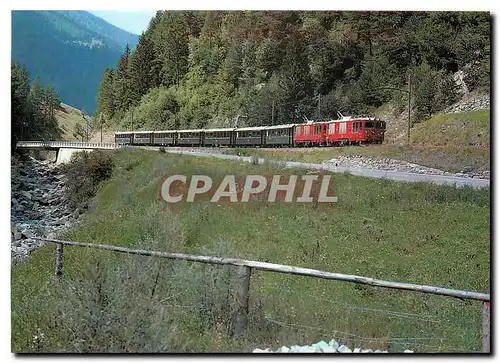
(37, 205)
(388, 164)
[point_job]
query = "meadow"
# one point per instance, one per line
(109, 302)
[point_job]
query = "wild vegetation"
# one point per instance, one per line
(195, 69)
(84, 172)
(109, 302)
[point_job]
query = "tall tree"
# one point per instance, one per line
(171, 47)
(106, 102)
(19, 101)
(296, 81)
(51, 102)
(123, 91)
(141, 66)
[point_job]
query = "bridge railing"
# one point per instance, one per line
(64, 144)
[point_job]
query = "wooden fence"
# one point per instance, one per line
(245, 269)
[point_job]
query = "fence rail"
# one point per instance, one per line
(245, 268)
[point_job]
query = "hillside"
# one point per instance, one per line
(460, 129)
(67, 118)
(68, 50)
(195, 69)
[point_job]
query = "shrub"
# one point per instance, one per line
(85, 172)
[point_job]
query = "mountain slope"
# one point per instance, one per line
(69, 50)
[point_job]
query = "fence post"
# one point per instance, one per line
(59, 260)
(486, 327)
(242, 300)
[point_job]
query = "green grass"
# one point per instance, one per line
(459, 129)
(418, 233)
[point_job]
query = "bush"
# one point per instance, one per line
(85, 172)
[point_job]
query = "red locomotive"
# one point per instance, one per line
(346, 131)
(355, 131)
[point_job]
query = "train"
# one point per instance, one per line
(345, 131)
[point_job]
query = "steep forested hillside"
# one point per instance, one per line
(196, 69)
(69, 50)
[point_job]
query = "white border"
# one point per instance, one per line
(482, 5)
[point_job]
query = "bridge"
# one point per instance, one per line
(65, 149)
(56, 145)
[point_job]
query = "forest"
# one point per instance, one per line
(195, 69)
(33, 108)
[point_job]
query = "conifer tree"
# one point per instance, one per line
(141, 64)
(171, 47)
(106, 102)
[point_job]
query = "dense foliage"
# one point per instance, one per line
(85, 172)
(33, 108)
(197, 69)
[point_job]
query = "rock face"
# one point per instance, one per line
(470, 103)
(37, 205)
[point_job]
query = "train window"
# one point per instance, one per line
(355, 126)
(342, 128)
(306, 131)
(369, 125)
(332, 128)
(297, 130)
(316, 130)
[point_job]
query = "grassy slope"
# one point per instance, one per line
(405, 232)
(462, 129)
(68, 117)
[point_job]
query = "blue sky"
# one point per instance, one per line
(132, 21)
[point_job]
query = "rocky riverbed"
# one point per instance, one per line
(38, 208)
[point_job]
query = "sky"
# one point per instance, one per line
(132, 21)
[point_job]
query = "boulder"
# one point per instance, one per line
(26, 233)
(344, 349)
(333, 344)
